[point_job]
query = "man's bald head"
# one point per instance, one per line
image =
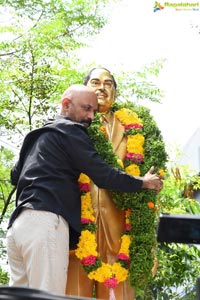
(79, 103)
(75, 90)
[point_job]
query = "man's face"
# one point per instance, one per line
(82, 108)
(102, 83)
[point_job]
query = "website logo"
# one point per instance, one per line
(157, 6)
(178, 6)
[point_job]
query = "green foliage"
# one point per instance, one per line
(38, 51)
(140, 85)
(6, 159)
(178, 270)
(103, 147)
(155, 153)
(142, 218)
(179, 264)
(4, 277)
(74, 13)
(38, 62)
(175, 196)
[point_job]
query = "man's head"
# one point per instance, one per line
(79, 103)
(104, 85)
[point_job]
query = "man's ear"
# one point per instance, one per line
(65, 104)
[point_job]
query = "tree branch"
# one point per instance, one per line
(7, 204)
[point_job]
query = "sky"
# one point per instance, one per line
(137, 36)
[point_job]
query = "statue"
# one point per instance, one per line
(110, 219)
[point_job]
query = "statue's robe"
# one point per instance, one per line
(111, 223)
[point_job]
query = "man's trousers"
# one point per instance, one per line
(38, 251)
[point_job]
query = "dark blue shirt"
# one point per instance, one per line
(51, 160)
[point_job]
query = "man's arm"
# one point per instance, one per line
(88, 161)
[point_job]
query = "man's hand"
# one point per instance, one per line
(152, 181)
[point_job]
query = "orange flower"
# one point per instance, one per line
(127, 212)
(150, 204)
(103, 129)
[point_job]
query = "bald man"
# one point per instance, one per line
(46, 221)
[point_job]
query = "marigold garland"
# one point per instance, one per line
(111, 275)
(86, 251)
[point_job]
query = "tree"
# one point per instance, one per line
(179, 265)
(6, 159)
(38, 60)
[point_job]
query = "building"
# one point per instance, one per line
(191, 152)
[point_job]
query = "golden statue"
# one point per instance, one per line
(109, 219)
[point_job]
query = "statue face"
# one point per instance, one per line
(102, 83)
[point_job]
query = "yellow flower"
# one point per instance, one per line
(83, 178)
(161, 172)
(133, 170)
(102, 273)
(135, 144)
(119, 272)
(125, 244)
(86, 245)
(120, 163)
(108, 271)
(127, 116)
(86, 207)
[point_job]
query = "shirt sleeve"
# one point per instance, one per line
(14, 174)
(88, 161)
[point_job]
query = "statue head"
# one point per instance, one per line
(103, 83)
